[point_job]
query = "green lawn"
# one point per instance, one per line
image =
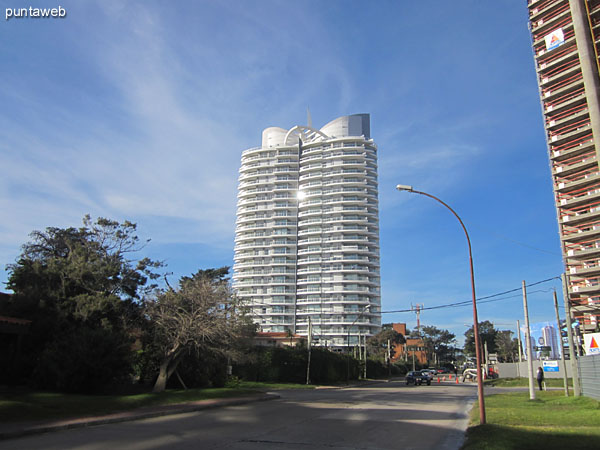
(552, 421)
(524, 382)
(22, 405)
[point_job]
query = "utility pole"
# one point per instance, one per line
(520, 352)
(519, 340)
(486, 356)
(365, 355)
(528, 344)
(562, 353)
(309, 346)
(359, 352)
(389, 359)
(574, 358)
(417, 309)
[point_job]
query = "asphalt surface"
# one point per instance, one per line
(376, 416)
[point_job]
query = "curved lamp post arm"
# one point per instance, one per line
(482, 418)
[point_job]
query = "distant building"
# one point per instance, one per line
(413, 347)
(566, 37)
(276, 339)
(550, 338)
(307, 232)
(533, 349)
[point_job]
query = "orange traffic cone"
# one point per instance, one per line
(457, 379)
(438, 379)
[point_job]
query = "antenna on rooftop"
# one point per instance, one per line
(308, 118)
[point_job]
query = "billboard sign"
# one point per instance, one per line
(592, 343)
(545, 341)
(555, 39)
(550, 366)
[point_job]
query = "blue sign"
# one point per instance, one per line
(550, 366)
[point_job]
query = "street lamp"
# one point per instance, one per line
(348, 343)
(402, 187)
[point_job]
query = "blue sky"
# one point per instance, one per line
(140, 111)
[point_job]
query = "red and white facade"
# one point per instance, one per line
(566, 37)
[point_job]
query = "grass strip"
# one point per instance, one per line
(21, 406)
(552, 421)
(524, 382)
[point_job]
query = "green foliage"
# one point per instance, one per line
(378, 344)
(84, 360)
(81, 291)
(327, 367)
(437, 343)
(506, 346)
(487, 333)
(401, 368)
(199, 324)
(202, 369)
(233, 382)
(286, 364)
(379, 369)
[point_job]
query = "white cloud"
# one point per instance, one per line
(157, 131)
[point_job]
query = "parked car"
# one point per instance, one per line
(416, 378)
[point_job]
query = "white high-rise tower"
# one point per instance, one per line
(307, 232)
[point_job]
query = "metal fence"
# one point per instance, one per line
(589, 374)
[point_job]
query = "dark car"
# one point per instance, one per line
(417, 378)
(426, 376)
(414, 378)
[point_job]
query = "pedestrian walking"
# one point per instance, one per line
(540, 377)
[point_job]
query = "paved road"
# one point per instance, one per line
(380, 416)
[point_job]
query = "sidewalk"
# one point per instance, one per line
(13, 430)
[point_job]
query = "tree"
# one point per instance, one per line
(506, 346)
(199, 316)
(437, 343)
(378, 344)
(487, 334)
(79, 287)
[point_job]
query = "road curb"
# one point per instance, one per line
(363, 383)
(20, 430)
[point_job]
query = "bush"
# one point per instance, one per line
(197, 370)
(376, 369)
(84, 360)
(401, 368)
(288, 365)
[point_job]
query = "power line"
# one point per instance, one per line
(480, 299)
(485, 299)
